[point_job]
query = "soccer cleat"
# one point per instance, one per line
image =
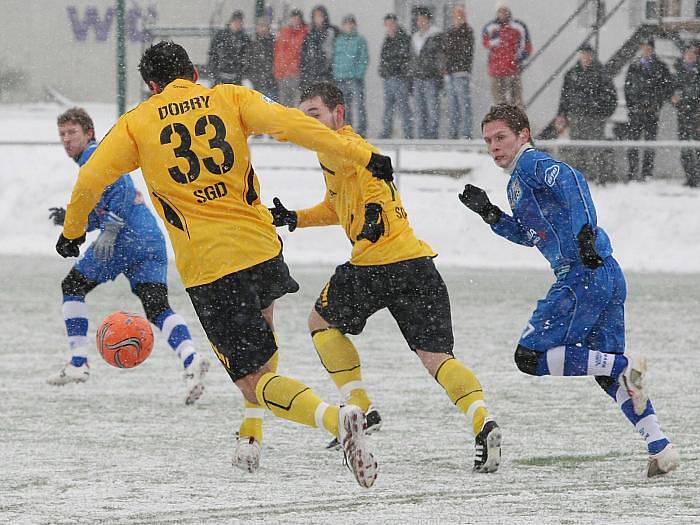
(357, 454)
(634, 379)
(70, 374)
(663, 462)
(246, 455)
(373, 423)
(487, 448)
(194, 378)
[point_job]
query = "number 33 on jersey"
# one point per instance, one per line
(191, 144)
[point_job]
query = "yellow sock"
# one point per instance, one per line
(293, 400)
(340, 359)
(464, 390)
(252, 424)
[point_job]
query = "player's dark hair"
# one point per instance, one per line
(164, 62)
(77, 116)
(514, 117)
(330, 94)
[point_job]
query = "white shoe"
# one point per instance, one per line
(663, 462)
(194, 378)
(487, 448)
(373, 423)
(246, 455)
(70, 374)
(634, 379)
(358, 456)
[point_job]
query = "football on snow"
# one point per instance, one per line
(125, 340)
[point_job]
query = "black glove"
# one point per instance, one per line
(57, 215)
(69, 247)
(476, 200)
(373, 227)
(380, 166)
(281, 216)
(586, 248)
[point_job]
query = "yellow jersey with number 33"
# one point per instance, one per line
(190, 142)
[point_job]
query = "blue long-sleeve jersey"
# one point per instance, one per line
(550, 202)
(122, 203)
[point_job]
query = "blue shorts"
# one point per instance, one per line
(143, 262)
(583, 307)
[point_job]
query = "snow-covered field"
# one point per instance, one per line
(123, 448)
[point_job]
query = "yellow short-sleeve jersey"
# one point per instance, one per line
(190, 142)
(349, 186)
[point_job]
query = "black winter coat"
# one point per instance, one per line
(458, 46)
(429, 62)
(646, 89)
(317, 55)
(687, 85)
(395, 58)
(588, 91)
(259, 59)
(227, 54)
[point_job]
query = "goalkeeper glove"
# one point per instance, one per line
(476, 200)
(69, 247)
(57, 215)
(104, 245)
(281, 216)
(380, 166)
(373, 228)
(586, 248)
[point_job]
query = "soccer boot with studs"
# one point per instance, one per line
(356, 451)
(487, 448)
(373, 422)
(69, 374)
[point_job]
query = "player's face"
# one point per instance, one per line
(503, 142)
(74, 139)
(314, 107)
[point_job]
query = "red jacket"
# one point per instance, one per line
(288, 52)
(509, 44)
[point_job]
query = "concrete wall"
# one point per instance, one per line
(52, 43)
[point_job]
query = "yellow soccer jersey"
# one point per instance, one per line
(349, 186)
(191, 145)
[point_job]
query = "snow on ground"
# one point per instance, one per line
(654, 227)
(123, 448)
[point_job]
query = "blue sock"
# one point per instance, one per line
(75, 318)
(174, 328)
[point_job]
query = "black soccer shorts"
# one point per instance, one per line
(230, 312)
(412, 290)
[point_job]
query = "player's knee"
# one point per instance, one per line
(316, 322)
(154, 297)
(76, 283)
(526, 360)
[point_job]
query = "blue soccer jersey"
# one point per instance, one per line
(550, 202)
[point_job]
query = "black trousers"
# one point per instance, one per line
(642, 125)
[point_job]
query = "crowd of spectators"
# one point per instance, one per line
(417, 64)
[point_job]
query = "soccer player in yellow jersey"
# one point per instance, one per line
(190, 143)
(389, 268)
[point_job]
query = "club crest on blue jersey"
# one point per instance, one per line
(550, 175)
(514, 193)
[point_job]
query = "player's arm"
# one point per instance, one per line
(264, 116)
(322, 214)
(374, 196)
(501, 223)
(117, 154)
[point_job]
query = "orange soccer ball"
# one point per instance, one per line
(125, 340)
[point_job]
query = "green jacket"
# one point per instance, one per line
(350, 56)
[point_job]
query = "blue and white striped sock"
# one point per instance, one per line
(572, 360)
(174, 329)
(75, 317)
(647, 425)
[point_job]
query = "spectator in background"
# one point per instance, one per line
(317, 50)
(588, 99)
(394, 68)
(687, 102)
(227, 52)
(259, 60)
(287, 58)
(648, 84)
(509, 45)
(459, 54)
(350, 59)
(427, 67)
